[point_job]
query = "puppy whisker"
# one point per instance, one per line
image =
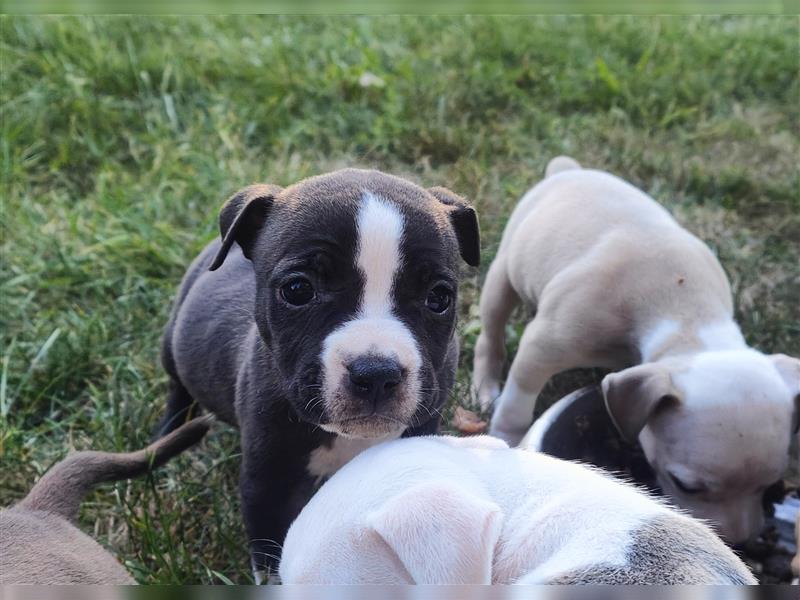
(316, 402)
(274, 557)
(268, 541)
(312, 402)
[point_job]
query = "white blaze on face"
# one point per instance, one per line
(380, 229)
(375, 330)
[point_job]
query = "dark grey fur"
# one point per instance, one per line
(233, 346)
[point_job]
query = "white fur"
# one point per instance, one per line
(325, 461)
(380, 230)
(722, 335)
(712, 378)
(654, 340)
(375, 329)
(433, 510)
(713, 336)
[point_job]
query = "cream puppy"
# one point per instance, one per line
(615, 282)
(39, 541)
(446, 510)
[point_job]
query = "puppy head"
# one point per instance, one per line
(716, 428)
(356, 277)
(432, 533)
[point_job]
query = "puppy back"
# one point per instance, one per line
(668, 550)
(63, 487)
(41, 548)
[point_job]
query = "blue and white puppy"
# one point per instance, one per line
(321, 323)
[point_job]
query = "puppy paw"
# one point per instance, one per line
(260, 576)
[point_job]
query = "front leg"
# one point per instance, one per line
(541, 355)
(498, 300)
(274, 486)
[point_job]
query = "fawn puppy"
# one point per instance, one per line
(615, 282)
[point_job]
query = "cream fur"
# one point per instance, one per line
(616, 282)
(40, 544)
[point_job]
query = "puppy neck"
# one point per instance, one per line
(669, 338)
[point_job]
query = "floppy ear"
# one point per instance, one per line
(633, 395)
(241, 217)
(440, 533)
(465, 223)
(789, 369)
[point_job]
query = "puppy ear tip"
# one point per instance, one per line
(216, 263)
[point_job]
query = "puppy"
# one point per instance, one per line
(446, 510)
(321, 323)
(39, 543)
(616, 283)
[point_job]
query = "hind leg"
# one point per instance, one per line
(181, 408)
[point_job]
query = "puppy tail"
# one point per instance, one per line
(63, 487)
(561, 163)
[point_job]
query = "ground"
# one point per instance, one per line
(121, 137)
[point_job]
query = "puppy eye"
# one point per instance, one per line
(297, 291)
(686, 489)
(439, 299)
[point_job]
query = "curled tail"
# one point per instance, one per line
(63, 487)
(561, 163)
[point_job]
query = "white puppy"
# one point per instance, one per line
(446, 510)
(617, 283)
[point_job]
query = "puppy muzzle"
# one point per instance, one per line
(371, 382)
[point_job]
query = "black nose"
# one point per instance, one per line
(374, 378)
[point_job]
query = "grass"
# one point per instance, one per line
(122, 136)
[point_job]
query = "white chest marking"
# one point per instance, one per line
(325, 461)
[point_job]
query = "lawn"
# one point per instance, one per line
(121, 137)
